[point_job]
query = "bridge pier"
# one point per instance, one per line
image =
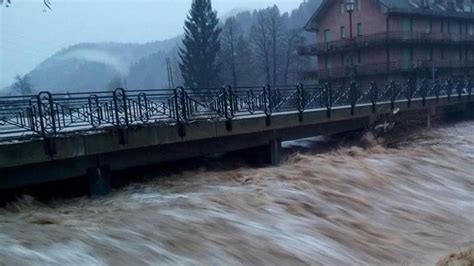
(274, 152)
(99, 181)
(428, 117)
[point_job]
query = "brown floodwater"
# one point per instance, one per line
(411, 203)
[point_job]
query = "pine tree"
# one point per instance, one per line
(200, 46)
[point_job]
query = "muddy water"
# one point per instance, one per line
(408, 204)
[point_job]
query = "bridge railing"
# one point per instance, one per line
(49, 115)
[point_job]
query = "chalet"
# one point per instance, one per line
(382, 40)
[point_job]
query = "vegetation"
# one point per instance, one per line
(200, 46)
(22, 86)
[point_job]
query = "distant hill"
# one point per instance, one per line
(90, 66)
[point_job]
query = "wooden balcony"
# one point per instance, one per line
(386, 68)
(384, 39)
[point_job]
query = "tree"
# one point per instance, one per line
(22, 85)
(229, 38)
(261, 42)
(114, 84)
(200, 46)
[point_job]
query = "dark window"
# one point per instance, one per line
(359, 57)
(343, 32)
(327, 35)
(359, 29)
(442, 53)
(442, 26)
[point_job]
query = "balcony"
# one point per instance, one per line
(386, 68)
(390, 38)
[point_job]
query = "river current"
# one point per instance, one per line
(410, 202)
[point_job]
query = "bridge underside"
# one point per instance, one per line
(96, 154)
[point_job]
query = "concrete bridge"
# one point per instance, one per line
(49, 137)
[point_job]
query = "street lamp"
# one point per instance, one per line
(350, 7)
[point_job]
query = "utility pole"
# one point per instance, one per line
(170, 73)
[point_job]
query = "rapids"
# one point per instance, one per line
(411, 203)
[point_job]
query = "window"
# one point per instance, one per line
(442, 53)
(343, 32)
(430, 55)
(471, 29)
(343, 8)
(358, 4)
(430, 26)
(327, 62)
(359, 57)
(327, 35)
(359, 29)
(442, 26)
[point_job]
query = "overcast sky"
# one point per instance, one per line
(29, 34)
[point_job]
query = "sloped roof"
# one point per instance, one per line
(396, 7)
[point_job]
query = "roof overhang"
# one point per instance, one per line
(310, 25)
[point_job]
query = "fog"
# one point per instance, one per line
(30, 33)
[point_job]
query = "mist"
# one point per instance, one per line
(30, 33)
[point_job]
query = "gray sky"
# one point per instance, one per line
(29, 34)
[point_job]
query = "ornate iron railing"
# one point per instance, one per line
(50, 115)
(386, 67)
(384, 38)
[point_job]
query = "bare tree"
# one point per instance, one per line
(293, 39)
(261, 41)
(229, 37)
(22, 85)
(114, 83)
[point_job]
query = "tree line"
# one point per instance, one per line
(262, 51)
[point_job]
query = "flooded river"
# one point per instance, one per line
(411, 203)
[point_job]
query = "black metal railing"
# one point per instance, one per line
(50, 115)
(384, 38)
(385, 68)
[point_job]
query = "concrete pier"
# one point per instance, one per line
(99, 180)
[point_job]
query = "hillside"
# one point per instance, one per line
(92, 66)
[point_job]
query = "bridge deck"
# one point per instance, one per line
(31, 156)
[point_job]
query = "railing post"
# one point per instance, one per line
(353, 96)
(392, 94)
(250, 101)
(47, 121)
(374, 95)
(94, 110)
(300, 101)
(32, 116)
(469, 87)
(437, 89)
(424, 90)
(460, 88)
(409, 92)
(121, 114)
(228, 107)
(449, 89)
(267, 102)
(328, 99)
(143, 107)
(180, 109)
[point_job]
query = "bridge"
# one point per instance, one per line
(49, 137)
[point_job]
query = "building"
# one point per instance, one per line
(383, 40)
